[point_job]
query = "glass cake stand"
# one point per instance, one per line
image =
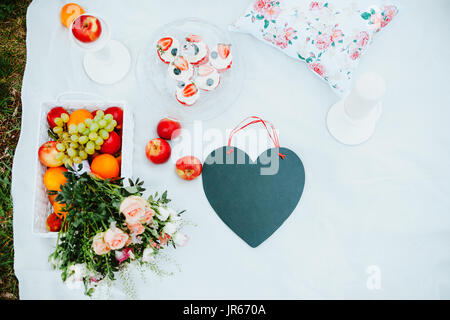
(159, 89)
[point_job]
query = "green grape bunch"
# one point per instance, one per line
(76, 142)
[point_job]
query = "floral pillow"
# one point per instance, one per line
(329, 36)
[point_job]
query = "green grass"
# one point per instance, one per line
(12, 64)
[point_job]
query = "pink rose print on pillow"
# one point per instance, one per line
(388, 14)
(289, 33)
(315, 5)
(283, 38)
(355, 54)
(323, 41)
(363, 39)
(272, 12)
(337, 35)
(317, 68)
(378, 19)
(260, 5)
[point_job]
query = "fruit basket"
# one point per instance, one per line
(42, 206)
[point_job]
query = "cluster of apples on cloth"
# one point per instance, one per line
(158, 150)
(90, 139)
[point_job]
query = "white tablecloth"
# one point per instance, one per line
(381, 209)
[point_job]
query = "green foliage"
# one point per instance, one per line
(91, 206)
(12, 63)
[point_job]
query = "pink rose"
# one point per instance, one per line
(260, 5)
(317, 68)
(355, 54)
(281, 42)
(389, 13)
(272, 12)
(136, 228)
(99, 245)
(315, 5)
(133, 208)
(363, 39)
(115, 238)
(337, 35)
(148, 215)
(124, 254)
(289, 33)
(323, 41)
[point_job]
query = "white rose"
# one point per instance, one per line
(174, 216)
(76, 274)
(148, 255)
(180, 239)
(170, 228)
(163, 213)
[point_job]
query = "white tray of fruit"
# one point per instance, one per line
(95, 133)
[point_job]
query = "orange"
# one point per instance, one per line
(54, 178)
(79, 116)
(70, 12)
(105, 166)
(59, 209)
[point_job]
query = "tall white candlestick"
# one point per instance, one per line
(352, 120)
(365, 96)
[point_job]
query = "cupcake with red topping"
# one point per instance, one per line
(195, 50)
(167, 49)
(180, 69)
(208, 78)
(221, 57)
(187, 94)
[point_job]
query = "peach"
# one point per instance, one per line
(47, 155)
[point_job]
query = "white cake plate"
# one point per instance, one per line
(108, 65)
(351, 131)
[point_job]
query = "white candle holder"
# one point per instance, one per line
(105, 61)
(353, 119)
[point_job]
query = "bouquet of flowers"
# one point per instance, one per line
(108, 225)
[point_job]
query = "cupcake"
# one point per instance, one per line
(195, 50)
(208, 78)
(221, 57)
(167, 49)
(180, 69)
(187, 94)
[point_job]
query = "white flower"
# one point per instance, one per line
(84, 168)
(170, 228)
(148, 255)
(174, 216)
(163, 213)
(76, 274)
(55, 262)
(180, 239)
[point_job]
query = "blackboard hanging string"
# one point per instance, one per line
(240, 126)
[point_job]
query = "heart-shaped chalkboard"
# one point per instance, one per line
(253, 198)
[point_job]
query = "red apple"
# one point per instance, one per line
(189, 167)
(47, 155)
(53, 114)
(112, 144)
(168, 129)
(86, 28)
(54, 223)
(117, 114)
(158, 150)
